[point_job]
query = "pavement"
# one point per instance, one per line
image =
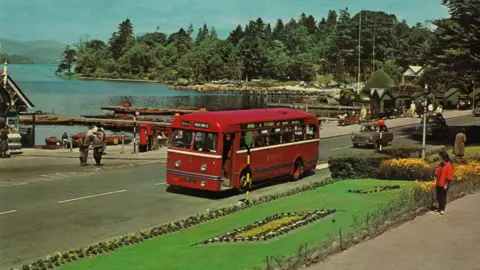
(431, 241)
(331, 129)
(50, 204)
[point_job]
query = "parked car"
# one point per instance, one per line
(436, 127)
(476, 111)
(369, 135)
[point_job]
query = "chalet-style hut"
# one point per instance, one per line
(12, 99)
(412, 73)
(378, 88)
(451, 98)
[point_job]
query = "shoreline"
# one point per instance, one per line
(287, 88)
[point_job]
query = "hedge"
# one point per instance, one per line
(355, 166)
(408, 151)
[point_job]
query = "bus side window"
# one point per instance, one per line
(287, 134)
(242, 145)
(261, 138)
(274, 137)
(311, 132)
(299, 133)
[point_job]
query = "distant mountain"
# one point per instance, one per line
(40, 51)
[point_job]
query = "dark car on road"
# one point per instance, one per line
(476, 111)
(436, 127)
(369, 135)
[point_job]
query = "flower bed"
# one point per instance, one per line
(374, 189)
(406, 169)
(270, 227)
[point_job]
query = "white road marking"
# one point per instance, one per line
(340, 148)
(404, 136)
(321, 166)
(162, 183)
(8, 212)
(93, 196)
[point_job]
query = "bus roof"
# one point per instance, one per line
(221, 120)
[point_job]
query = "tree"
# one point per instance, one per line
(454, 57)
(122, 39)
(69, 58)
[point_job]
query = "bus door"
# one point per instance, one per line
(227, 155)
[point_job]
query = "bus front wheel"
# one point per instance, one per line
(297, 170)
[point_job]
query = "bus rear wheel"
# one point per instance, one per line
(297, 170)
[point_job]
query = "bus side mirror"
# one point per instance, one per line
(249, 139)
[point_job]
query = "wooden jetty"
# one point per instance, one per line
(314, 106)
(148, 111)
(109, 124)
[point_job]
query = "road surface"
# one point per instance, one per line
(49, 205)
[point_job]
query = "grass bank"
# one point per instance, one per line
(177, 250)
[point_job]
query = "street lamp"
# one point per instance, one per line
(474, 94)
(424, 138)
(137, 113)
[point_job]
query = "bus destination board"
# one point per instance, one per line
(271, 124)
(201, 125)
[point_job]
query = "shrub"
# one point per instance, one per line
(467, 170)
(354, 166)
(406, 169)
(410, 151)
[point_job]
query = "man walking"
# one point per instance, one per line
(98, 147)
(460, 141)
(84, 144)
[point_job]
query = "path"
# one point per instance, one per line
(449, 242)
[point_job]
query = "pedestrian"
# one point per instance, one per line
(98, 147)
(363, 114)
(64, 140)
(460, 141)
(101, 130)
(84, 145)
(4, 142)
(443, 180)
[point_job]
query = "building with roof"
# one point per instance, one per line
(12, 100)
(412, 73)
(378, 89)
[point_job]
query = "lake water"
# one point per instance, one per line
(80, 97)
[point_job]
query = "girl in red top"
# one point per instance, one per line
(443, 177)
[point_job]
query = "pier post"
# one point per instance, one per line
(71, 143)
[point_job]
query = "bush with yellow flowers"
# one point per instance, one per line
(406, 169)
(466, 170)
(426, 185)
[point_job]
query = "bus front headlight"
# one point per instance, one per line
(203, 168)
(177, 163)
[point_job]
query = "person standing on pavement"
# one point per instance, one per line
(64, 140)
(4, 142)
(459, 146)
(443, 179)
(363, 114)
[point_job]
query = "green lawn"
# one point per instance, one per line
(175, 251)
(470, 151)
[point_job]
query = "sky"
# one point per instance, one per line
(67, 20)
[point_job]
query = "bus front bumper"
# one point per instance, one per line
(194, 180)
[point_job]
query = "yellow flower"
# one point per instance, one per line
(426, 186)
(466, 171)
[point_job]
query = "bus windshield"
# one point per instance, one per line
(182, 138)
(205, 142)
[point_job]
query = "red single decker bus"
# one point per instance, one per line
(207, 150)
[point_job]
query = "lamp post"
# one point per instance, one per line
(424, 138)
(474, 94)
